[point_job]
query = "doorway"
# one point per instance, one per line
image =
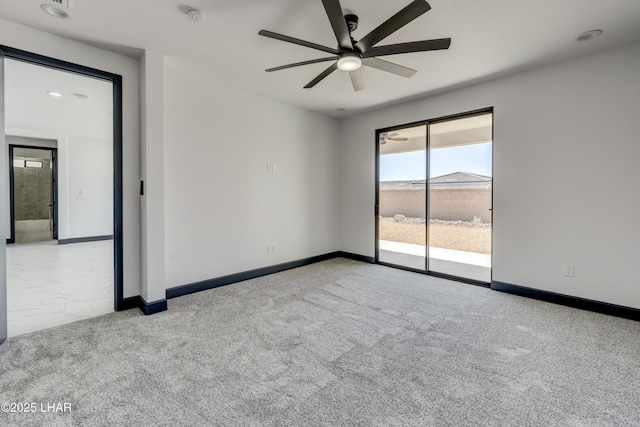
(32, 193)
(86, 199)
(434, 196)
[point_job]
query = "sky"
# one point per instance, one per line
(474, 158)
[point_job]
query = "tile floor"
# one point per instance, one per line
(50, 284)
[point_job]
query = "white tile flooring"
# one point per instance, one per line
(50, 284)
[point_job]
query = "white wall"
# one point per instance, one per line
(20, 37)
(222, 206)
(565, 173)
(152, 287)
(89, 187)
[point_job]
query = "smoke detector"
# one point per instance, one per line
(62, 4)
(56, 8)
(195, 15)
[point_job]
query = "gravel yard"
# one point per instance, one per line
(459, 235)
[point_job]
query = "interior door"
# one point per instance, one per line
(4, 210)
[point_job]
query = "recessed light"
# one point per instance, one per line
(54, 11)
(588, 35)
(55, 94)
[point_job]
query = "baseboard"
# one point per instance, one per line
(131, 302)
(147, 308)
(356, 257)
(191, 288)
(153, 307)
(84, 239)
(570, 301)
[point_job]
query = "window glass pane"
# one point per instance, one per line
(33, 163)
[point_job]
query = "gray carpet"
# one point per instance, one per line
(338, 343)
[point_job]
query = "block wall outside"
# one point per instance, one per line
(446, 204)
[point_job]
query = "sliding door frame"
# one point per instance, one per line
(377, 201)
(427, 123)
(116, 80)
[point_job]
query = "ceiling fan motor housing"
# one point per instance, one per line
(352, 22)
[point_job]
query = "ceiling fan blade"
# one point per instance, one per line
(297, 64)
(294, 40)
(338, 23)
(393, 24)
(421, 46)
(356, 79)
(321, 77)
(389, 67)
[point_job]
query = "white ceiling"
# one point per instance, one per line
(489, 38)
(29, 106)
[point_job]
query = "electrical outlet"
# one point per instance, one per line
(271, 249)
(568, 270)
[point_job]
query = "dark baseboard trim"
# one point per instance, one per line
(153, 307)
(147, 308)
(570, 301)
(356, 257)
(131, 302)
(191, 288)
(84, 239)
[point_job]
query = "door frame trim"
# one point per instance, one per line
(54, 177)
(116, 80)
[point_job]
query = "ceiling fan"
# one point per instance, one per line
(392, 136)
(351, 54)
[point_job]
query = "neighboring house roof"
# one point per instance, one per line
(460, 177)
(455, 180)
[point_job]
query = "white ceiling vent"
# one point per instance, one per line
(64, 4)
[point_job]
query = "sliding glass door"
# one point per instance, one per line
(434, 211)
(460, 197)
(402, 195)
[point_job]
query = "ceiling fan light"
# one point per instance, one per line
(349, 62)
